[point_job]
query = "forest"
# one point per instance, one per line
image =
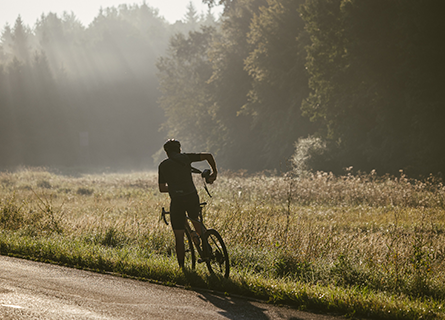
(75, 96)
(319, 85)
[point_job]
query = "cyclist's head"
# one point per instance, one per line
(172, 146)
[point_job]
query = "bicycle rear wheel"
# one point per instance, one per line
(218, 261)
(189, 258)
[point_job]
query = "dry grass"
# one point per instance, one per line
(357, 232)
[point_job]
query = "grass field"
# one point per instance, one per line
(358, 244)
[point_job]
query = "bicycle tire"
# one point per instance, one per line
(218, 261)
(189, 257)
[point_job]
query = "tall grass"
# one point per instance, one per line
(358, 243)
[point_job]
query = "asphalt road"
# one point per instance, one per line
(32, 290)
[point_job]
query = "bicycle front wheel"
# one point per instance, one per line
(189, 258)
(218, 258)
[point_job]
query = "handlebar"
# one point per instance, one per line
(205, 175)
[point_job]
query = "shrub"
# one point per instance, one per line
(12, 215)
(84, 191)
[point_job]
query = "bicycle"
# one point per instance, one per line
(213, 250)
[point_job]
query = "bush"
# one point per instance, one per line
(308, 154)
(85, 191)
(12, 216)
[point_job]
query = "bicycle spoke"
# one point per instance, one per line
(218, 258)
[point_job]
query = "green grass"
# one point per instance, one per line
(358, 244)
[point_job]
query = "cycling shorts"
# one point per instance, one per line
(182, 204)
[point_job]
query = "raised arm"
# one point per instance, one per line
(211, 161)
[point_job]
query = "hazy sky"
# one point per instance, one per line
(86, 10)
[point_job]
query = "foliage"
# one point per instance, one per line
(254, 91)
(61, 81)
(365, 73)
(276, 64)
(183, 75)
(373, 87)
(307, 152)
(363, 78)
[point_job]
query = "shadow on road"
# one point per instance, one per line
(235, 308)
(238, 308)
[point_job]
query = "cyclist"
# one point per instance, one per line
(175, 177)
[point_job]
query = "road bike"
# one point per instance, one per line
(210, 246)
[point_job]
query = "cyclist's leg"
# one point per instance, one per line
(180, 249)
(177, 219)
(193, 208)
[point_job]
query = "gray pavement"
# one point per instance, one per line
(32, 290)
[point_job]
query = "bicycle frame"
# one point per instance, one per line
(202, 253)
(202, 250)
(212, 251)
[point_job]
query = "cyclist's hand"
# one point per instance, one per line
(212, 177)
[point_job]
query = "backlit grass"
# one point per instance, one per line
(355, 244)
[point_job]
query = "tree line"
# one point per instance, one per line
(327, 83)
(75, 95)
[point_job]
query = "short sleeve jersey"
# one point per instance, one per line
(176, 172)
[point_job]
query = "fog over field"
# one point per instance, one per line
(75, 95)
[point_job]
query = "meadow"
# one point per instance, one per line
(359, 244)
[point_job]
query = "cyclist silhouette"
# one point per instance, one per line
(175, 177)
